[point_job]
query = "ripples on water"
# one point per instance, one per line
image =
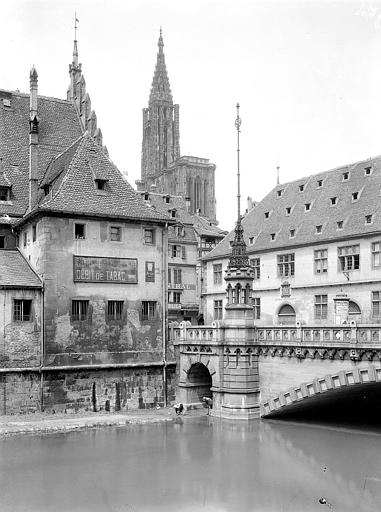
(194, 464)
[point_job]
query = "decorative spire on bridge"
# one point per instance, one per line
(238, 258)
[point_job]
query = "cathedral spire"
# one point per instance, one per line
(160, 89)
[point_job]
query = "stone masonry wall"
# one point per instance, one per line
(19, 393)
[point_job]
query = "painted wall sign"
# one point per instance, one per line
(182, 286)
(91, 269)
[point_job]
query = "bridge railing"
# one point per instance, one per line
(351, 333)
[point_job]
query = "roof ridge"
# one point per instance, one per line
(29, 265)
(42, 96)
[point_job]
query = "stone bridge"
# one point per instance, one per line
(267, 371)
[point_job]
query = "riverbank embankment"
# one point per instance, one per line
(45, 423)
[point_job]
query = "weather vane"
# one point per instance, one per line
(238, 123)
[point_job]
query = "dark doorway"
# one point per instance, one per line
(200, 380)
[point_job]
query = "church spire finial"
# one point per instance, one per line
(160, 43)
(75, 47)
(238, 258)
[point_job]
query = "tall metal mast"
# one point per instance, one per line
(238, 122)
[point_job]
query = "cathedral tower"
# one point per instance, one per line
(161, 134)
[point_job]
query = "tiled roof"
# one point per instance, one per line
(204, 227)
(177, 203)
(59, 127)
(16, 272)
(285, 214)
(74, 188)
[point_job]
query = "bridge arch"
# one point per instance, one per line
(201, 381)
(313, 390)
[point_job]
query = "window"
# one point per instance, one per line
(333, 201)
(115, 233)
(25, 238)
(286, 315)
(376, 303)
(288, 210)
(2, 242)
(368, 219)
(256, 264)
(376, 249)
(320, 183)
(307, 207)
(150, 272)
(218, 309)
(115, 309)
(79, 309)
(149, 237)
(279, 193)
(355, 196)
(175, 251)
(267, 215)
(167, 199)
(319, 229)
(179, 230)
(4, 193)
(101, 184)
(34, 232)
(251, 240)
(176, 298)
(321, 261)
(321, 306)
(285, 289)
(148, 310)
(286, 264)
(339, 224)
(353, 308)
(301, 188)
(349, 258)
(292, 233)
(177, 276)
(367, 171)
(173, 213)
(272, 236)
(79, 231)
(146, 196)
(345, 176)
(257, 308)
(217, 273)
(22, 310)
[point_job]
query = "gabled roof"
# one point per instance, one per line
(283, 212)
(59, 127)
(15, 271)
(204, 227)
(73, 189)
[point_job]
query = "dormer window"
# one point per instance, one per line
(333, 201)
(146, 196)
(267, 215)
(340, 224)
(180, 231)
(301, 188)
(345, 176)
(288, 210)
(173, 213)
(355, 196)
(292, 233)
(5, 193)
(251, 240)
(272, 236)
(368, 219)
(319, 229)
(46, 189)
(101, 184)
(320, 183)
(279, 192)
(367, 171)
(167, 199)
(307, 207)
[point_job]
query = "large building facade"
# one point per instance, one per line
(163, 169)
(314, 245)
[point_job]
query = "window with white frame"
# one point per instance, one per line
(321, 306)
(376, 250)
(22, 310)
(217, 273)
(256, 264)
(115, 233)
(376, 304)
(286, 265)
(257, 307)
(177, 279)
(218, 309)
(349, 258)
(321, 261)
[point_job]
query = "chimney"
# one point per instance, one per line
(33, 139)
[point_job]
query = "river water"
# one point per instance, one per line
(194, 464)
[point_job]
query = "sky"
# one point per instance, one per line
(307, 75)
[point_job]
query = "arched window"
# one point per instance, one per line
(197, 193)
(354, 309)
(286, 315)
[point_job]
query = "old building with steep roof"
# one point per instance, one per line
(86, 316)
(315, 246)
(163, 169)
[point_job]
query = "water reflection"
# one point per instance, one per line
(194, 464)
